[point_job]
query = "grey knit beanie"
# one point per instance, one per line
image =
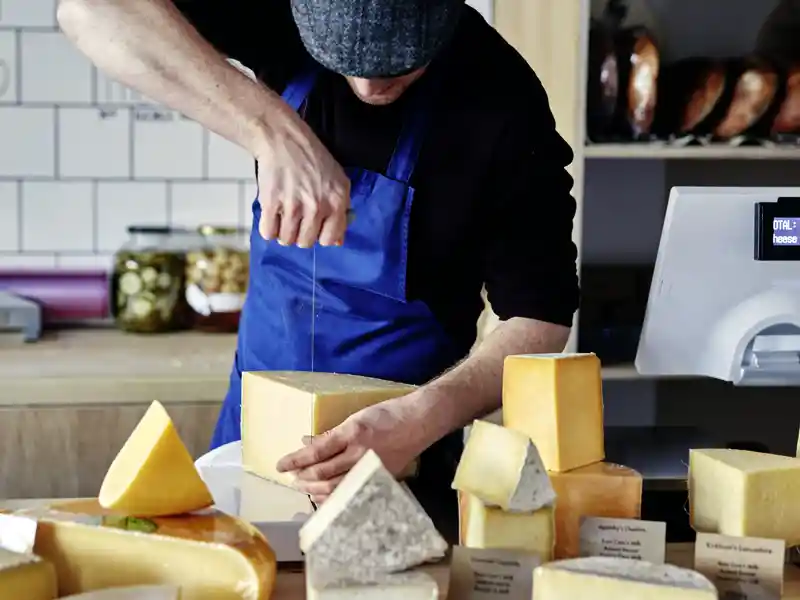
(375, 38)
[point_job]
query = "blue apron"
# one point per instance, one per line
(363, 323)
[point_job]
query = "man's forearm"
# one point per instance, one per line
(473, 388)
(149, 46)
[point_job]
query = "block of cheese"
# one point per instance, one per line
(27, 577)
(139, 592)
(557, 401)
(279, 408)
(602, 578)
(209, 555)
(503, 468)
(400, 586)
(154, 475)
(371, 524)
(597, 490)
(744, 493)
(483, 526)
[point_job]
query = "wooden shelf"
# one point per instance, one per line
(660, 151)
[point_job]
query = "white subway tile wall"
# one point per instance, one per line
(82, 157)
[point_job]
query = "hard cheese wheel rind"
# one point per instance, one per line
(139, 592)
(743, 493)
(503, 468)
(154, 474)
(488, 527)
(597, 490)
(370, 525)
(400, 586)
(208, 555)
(602, 578)
(280, 407)
(26, 576)
(557, 401)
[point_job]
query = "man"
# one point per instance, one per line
(419, 101)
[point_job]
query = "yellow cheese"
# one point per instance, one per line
(598, 490)
(485, 527)
(743, 493)
(279, 408)
(557, 401)
(209, 555)
(154, 474)
(139, 592)
(26, 577)
(502, 467)
(602, 578)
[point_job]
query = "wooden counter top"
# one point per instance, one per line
(106, 366)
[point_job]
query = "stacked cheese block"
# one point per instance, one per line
(147, 528)
(553, 404)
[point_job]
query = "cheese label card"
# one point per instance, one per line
(489, 574)
(623, 538)
(17, 534)
(742, 568)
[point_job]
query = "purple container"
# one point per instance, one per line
(63, 295)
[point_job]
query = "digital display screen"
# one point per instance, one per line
(786, 231)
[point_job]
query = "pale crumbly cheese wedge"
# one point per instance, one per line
(139, 592)
(369, 525)
(280, 407)
(26, 577)
(208, 555)
(400, 586)
(602, 578)
(483, 526)
(745, 494)
(503, 468)
(154, 475)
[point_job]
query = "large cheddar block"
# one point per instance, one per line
(210, 556)
(483, 526)
(154, 475)
(502, 467)
(27, 577)
(139, 592)
(743, 493)
(602, 578)
(597, 490)
(557, 401)
(279, 408)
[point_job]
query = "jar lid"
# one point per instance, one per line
(149, 229)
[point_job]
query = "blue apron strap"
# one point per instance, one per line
(298, 89)
(412, 134)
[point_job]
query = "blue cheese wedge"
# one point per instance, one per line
(400, 586)
(371, 525)
(503, 468)
(605, 578)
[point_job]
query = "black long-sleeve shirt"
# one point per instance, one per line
(492, 202)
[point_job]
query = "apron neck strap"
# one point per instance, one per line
(300, 87)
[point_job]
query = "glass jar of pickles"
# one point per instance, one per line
(217, 277)
(147, 282)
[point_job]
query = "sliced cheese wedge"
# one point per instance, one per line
(280, 407)
(26, 576)
(602, 578)
(209, 555)
(154, 475)
(369, 525)
(139, 592)
(503, 468)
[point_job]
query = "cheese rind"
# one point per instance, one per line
(154, 475)
(503, 468)
(139, 592)
(482, 526)
(602, 578)
(26, 576)
(597, 490)
(557, 401)
(400, 586)
(368, 526)
(209, 555)
(279, 408)
(745, 494)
